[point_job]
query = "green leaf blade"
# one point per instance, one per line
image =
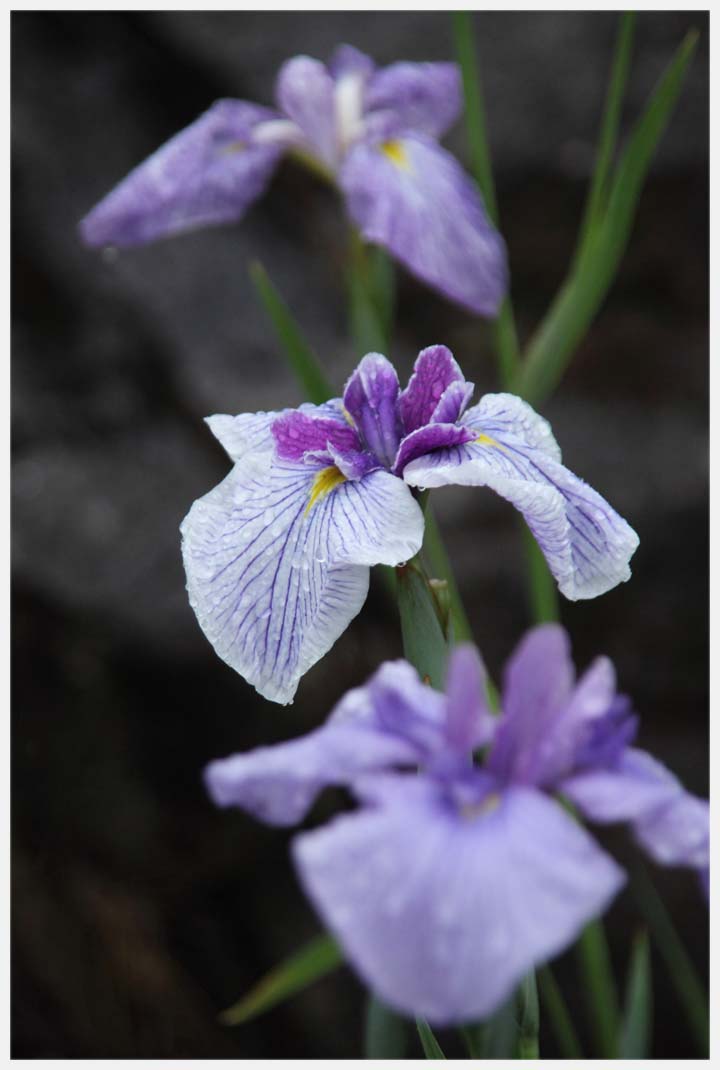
(312, 962)
(424, 644)
(298, 353)
(429, 1043)
(385, 1032)
(637, 1018)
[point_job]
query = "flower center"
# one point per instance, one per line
(472, 811)
(348, 109)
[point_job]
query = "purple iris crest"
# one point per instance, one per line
(453, 878)
(277, 556)
(372, 131)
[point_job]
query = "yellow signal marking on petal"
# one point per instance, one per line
(485, 440)
(325, 481)
(348, 417)
(231, 147)
(471, 811)
(395, 152)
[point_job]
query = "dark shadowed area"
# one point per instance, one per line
(140, 911)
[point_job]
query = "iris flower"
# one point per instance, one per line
(452, 879)
(277, 556)
(373, 132)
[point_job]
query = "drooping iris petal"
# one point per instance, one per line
(538, 682)
(279, 784)
(669, 823)
(413, 198)
(305, 91)
(499, 415)
(634, 786)
(435, 369)
(276, 558)
(208, 173)
(370, 398)
(586, 544)
(424, 97)
(442, 914)
(373, 521)
(259, 577)
(678, 833)
(470, 723)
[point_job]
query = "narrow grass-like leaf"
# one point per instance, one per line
(528, 1011)
(597, 196)
(689, 988)
(504, 333)
(500, 1033)
(317, 959)
(580, 297)
(385, 1032)
(424, 644)
(599, 987)
(637, 1016)
(370, 311)
(554, 1005)
(300, 356)
(427, 1038)
(381, 271)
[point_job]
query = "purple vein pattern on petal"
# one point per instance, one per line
(251, 432)
(297, 433)
(276, 571)
(259, 574)
(435, 369)
(426, 97)
(586, 544)
(208, 173)
(453, 403)
(428, 905)
(305, 91)
(413, 198)
(370, 397)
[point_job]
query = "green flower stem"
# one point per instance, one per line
(528, 1019)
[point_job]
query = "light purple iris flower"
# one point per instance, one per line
(451, 880)
(372, 132)
(278, 555)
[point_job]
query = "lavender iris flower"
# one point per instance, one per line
(373, 132)
(451, 879)
(277, 556)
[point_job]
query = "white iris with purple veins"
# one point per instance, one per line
(372, 132)
(278, 555)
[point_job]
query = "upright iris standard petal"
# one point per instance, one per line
(470, 723)
(208, 173)
(435, 370)
(442, 914)
(586, 544)
(425, 97)
(347, 60)
(370, 398)
(305, 91)
(413, 198)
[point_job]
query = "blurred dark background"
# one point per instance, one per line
(139, 910)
